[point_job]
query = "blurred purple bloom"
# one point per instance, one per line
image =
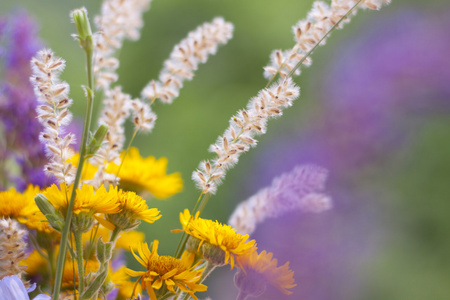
(393, 74)
(20, 128)
(300, 189)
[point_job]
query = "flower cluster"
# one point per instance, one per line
(80, 228)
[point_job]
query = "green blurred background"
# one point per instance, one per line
(412, 260)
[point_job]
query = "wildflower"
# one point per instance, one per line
(31, 216)
(185, 58)
(116, 109)
(119, 20)
(166, 273)
(122, 280)
(296, 190)
(12, 247)
(259, 269)
(239, 136)
(87, 203)
(310, 32)
(11, 287)
(147, 174)
(20, 128)
(132, 209)
(12, 203)
(36, 264)
(53, 113)
(216, 240)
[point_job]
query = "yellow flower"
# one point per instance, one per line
(36, 264)
(132, 209)
(12, 203)
(122, 280)
(146, 174)
(31, 216)
(21, 206)
(167, 271)
(263, 266)
(86, 199)
(222, 237)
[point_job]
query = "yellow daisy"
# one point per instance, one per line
(31, 216)
(263, 266)
(132, 209)
(146, 174)
(36, 264)
(21, 206)
(167, 271)
(86, 199)
(12, 203)
(223, 238)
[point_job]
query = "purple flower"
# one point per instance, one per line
(11, 287)
(394, 73)
(19, 126)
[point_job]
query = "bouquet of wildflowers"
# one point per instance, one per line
(69, 213)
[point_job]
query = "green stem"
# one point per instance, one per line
(79, 245)
(68, 220)
(208, 270)
(115, 235)
(51, 264)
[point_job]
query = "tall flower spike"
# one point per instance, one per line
(239, 136)
(299, 189)
(309, 32)
(185, 58)
(53, 113)
(118, 20)
(116, 110)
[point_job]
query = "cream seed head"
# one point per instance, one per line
(119, 20)
(308, 33)
(117, 107)
(239, 137)
(53, 113)
(12, 248)
(185, 58)
(143, 117)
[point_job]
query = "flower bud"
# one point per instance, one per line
(84, 36)
(213, 254)
(192, 244)
(97, 140)
(82, 222)
(55, 219)
(104, 251)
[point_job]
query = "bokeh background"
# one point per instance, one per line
(374, 110)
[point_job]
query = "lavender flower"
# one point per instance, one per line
(297, 190)
(19, 126)
(396, 68)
